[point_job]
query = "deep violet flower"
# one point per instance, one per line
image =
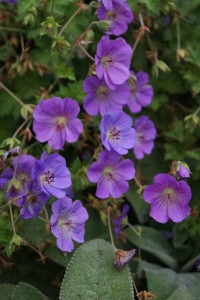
(68, 222)
(111, 174)
(107, 3)
(118, 221)
(113, 59)
(22, 165)
(168, 198)
(55, 121)
(33, 201)
(52, 174)
(120, 16)
(117, 133)
(145, 135)
(141, 93)
(101, 99)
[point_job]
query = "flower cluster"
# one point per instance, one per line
(113, 87)
(37, 181)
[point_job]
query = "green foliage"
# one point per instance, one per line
(91, 275)
(153, 241)
(25, 291)
(166, 284)
(6, 291)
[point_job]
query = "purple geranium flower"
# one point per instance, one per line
(107, 3)
(141, 93)
(145, 135)
(117, 132)
(101, 99)
(111, 174)
(113, 59)
(52, 174)
(120, 16)
(169, 198)
(33, 201)
(68, 222)
(55, 121)
(118, 221)
(22, 166)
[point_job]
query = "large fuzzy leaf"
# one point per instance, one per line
(91, 275)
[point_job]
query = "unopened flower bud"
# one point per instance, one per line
(182, 169)
(49, 27)
(104, 25)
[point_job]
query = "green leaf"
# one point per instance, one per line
(182, 293)
(6, 291)
(25, 291)
(91, 275)
(153, 242)
(164, 282)
(63, 71)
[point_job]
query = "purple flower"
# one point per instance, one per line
(120, 16)
(145, 135)
(55, 121)
(168, 198)
(182, 169)
(117, 133)
(118, 221)
(10, 1)
(52, 174)
(11, 151)
(68, 222)
(111, 174)
(22, 166)
(141, 93)
(107, 3)
(33, 201)
(101, 99)
(113, 59)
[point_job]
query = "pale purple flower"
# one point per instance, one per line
(145, 135)
(52, 174)
(117, 133)
(113, 59)
(120, 16)
(22, 165)
(33, 201)
(68, 223)
(101, 99)
(55, 121)
(168, 198)
(11, 151)
(107, 3)
(141, 93)
(111, 174)
(118, 221)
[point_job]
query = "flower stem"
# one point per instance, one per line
(86, 53)
(12, 220)
(109, 227)
(20, 128)
(11, 94)
(138, 232)
(52, 7)
(136, 43)
(69, 21)
(11, 29)
(42, 257)
(43, 219)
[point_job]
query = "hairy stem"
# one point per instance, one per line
(109, 227)
(69, 21)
